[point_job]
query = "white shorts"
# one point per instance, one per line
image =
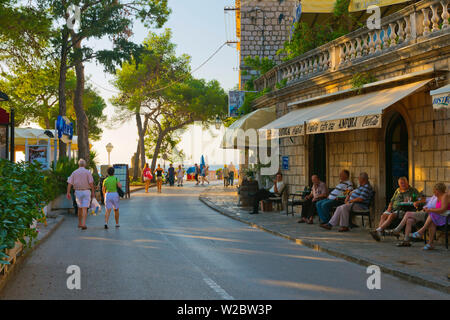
(112, 200)
(83, 198)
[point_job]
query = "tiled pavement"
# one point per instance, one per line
(413, 264)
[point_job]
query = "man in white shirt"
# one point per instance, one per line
(324, 206)
(264, 194)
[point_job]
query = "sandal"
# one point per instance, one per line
(416, 235)
(404, 244)
(428, 247)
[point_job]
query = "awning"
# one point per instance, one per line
(327, 6)
(441, 97)
(321, 12)
(32, 136)
(357, 112)
(253, 120)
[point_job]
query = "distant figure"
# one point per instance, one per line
(197, 173)
(159, 177)
(205, 173)
(147, 173)
(83, 183)
(226, 173)
(171, 175)
(180, 176)
(112, 197)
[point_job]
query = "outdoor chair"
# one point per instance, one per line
(296, 199)
(442, 228)
(278, 200)
(362, 212)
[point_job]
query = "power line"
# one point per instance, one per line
(176, 81)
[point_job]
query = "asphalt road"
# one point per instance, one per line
(171, 246)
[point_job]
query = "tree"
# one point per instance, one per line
(100, 19)
(141, 83)
(183, 104)
(24, 33)
(168, 150)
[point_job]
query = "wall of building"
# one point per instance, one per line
(275, 33)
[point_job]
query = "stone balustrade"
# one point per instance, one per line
(410, 25)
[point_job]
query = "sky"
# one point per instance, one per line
(198, 28)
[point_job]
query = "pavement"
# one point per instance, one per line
(44, 232)
(413, 264)
(173, 246)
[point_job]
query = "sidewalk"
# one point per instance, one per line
(412, 264)
(44, 233)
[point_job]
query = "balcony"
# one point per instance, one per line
(412, 25)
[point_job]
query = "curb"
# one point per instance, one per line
(16, 267)
(416, 279)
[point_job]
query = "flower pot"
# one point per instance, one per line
(61, 202)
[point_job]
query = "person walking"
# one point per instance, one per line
(225, 173)
(83, 183)
(111, 196)
(159, 177)
(147, 173)
(232, 173)
(197, 173)
(171, 175)
(206, 174)
(180, 176)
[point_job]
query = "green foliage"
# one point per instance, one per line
(281, 84)
(22, 186)
(261, 65)
(306, 37)
(56, 179)
(360, 79)
(249, 98)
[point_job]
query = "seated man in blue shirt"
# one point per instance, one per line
(360, 196)
(344, 186)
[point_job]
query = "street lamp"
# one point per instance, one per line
(218, 123)
(109, 148)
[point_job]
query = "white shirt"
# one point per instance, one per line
(280, 186)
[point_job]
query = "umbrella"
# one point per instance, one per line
(190, 170)
(202, 161)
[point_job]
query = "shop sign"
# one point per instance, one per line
(441, 100)
(64, 128)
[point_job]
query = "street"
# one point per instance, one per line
(172, 246)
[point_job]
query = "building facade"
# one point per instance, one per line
(319, 134)
(263, 27)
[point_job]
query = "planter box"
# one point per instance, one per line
(12, 253)
(61, 202)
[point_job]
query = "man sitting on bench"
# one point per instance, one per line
(264, 194)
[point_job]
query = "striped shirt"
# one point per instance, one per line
(340, 189)
(364, 192)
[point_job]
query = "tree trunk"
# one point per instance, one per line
(82, 119)
(161, 135)
(136, 164)
(62, 86)
(142, 141)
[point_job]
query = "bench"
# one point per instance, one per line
(296, 199)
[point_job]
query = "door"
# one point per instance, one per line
(318, 157)
(396, 154)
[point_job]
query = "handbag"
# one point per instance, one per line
(120, 191)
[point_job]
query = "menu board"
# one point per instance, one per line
(121, 172)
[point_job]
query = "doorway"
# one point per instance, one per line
(317, 156)
(397, 164)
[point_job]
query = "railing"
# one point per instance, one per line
(402, 28)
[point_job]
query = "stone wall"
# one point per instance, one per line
(275, 33)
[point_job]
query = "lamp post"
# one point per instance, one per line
(109, 148)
